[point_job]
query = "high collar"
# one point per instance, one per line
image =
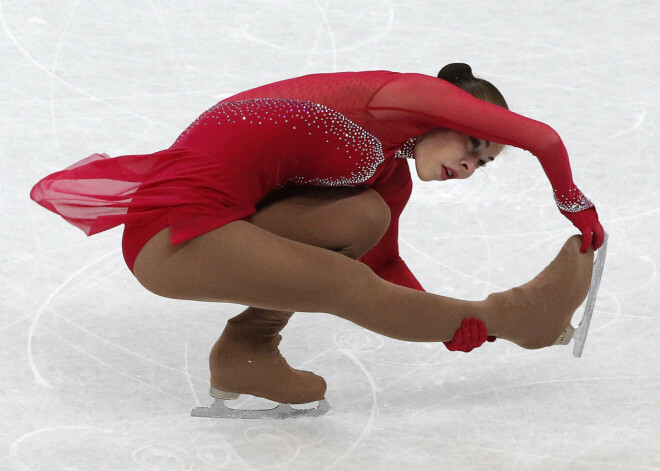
(407, 149)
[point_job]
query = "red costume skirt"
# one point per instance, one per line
(178, 188)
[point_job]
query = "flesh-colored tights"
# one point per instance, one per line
(246, 264)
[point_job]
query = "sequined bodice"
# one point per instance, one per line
(332, 150)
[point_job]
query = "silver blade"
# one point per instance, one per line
(283, 411)
(580, 335)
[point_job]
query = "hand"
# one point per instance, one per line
(587, 222)
(472, 334)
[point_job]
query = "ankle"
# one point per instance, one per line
(501, 314)
(487, 312)
(254, 314)
(513, 316)
(256, 325)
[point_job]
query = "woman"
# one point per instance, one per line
(273, 197)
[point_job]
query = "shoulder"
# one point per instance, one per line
(316, 86)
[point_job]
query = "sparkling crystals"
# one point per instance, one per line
(574, 202)
(407, 150)
(347, 153)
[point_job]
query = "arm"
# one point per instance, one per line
(418, 103)
(415, 104)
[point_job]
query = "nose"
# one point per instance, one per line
(469, 165)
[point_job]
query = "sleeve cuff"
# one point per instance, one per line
(573, 201)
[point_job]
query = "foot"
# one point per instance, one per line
(246, 360)
(536, 314)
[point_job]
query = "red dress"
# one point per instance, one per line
(339, 129)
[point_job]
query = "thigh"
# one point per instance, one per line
(350, 220)
(243, 264)
(289, 231)
(137, 234)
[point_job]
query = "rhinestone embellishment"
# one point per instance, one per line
(407, 150)
(361, 149)
(574, 202)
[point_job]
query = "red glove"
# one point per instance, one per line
(587, 222)
(472, 334)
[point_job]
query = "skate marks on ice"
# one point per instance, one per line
(580, 334)
(327, 29)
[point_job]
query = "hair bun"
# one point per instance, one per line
(456, 72)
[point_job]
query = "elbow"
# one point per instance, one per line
(550, 142)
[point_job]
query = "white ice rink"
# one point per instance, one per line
(98, 374)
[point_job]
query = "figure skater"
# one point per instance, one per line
(287, 198)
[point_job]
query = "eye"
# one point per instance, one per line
(475, 142)
(482, 162)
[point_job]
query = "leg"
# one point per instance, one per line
(318, 219)
(246, 357)
(347, 220)
(244, 264)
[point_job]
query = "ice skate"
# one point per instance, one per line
(220, 409)
(538, 313)
(580, 334)
(246, 360)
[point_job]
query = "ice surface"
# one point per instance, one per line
(97, 373)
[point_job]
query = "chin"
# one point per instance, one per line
(421, 174)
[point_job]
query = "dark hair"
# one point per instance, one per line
(461, 76)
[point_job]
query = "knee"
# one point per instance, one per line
(372, 220)
(377, 214)
(154, 278)
(152, 270)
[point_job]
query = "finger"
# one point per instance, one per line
(586, 241)
(599, 237)
(474, 333)
(465, 330)
(451, 344)
(483, 334)
(457, 343)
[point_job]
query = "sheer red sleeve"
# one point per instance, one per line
(415, 104)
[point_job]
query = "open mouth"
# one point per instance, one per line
(448, 173)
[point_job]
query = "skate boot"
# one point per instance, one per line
(246, 360)
(538, 313)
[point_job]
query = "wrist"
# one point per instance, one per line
(572, 200)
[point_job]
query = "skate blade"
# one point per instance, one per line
(580, 334)
(283, 411)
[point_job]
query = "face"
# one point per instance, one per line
(443, 154)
